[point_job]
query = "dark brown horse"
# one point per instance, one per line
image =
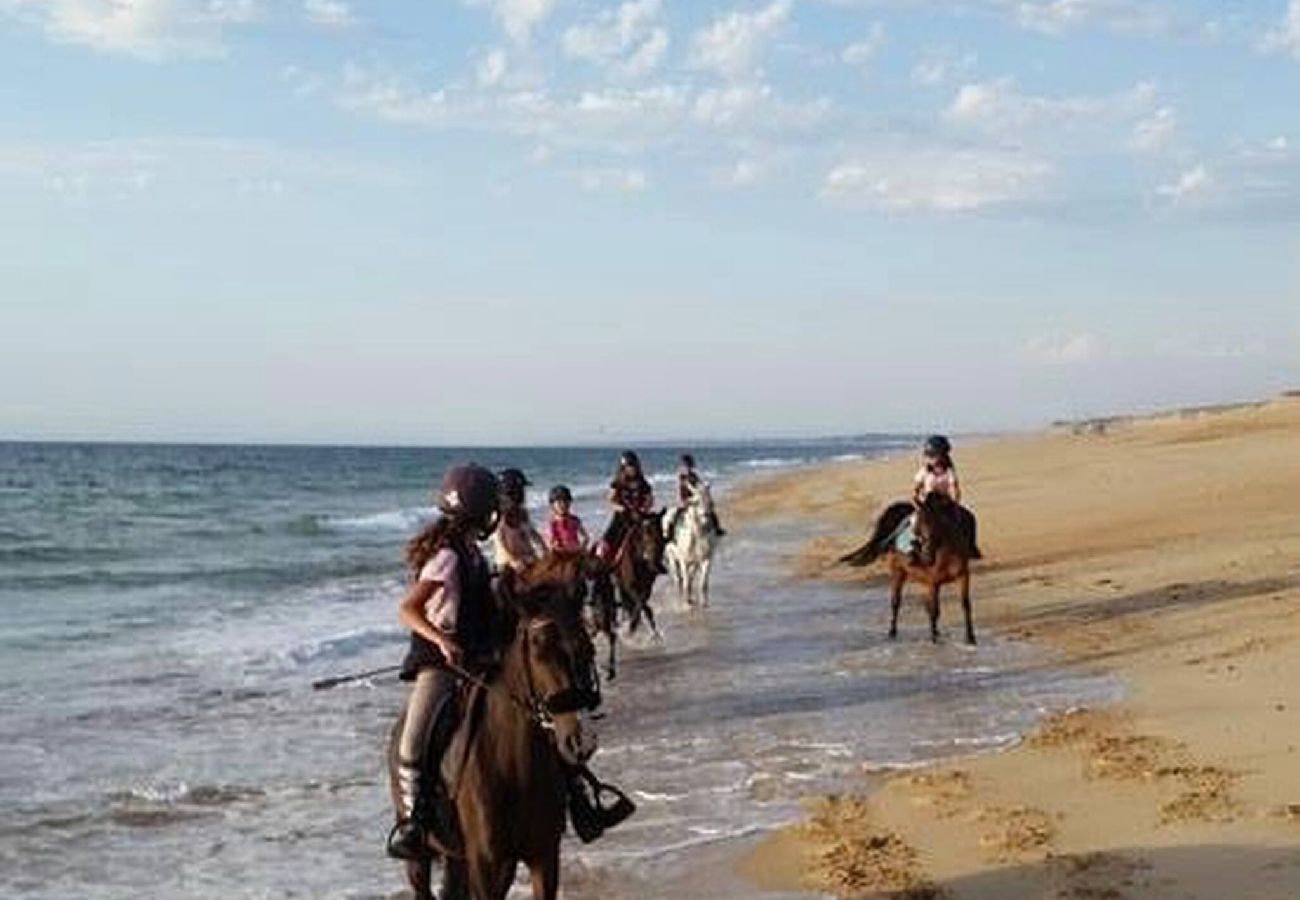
(945, 539)
(522, 728)
(631, 575)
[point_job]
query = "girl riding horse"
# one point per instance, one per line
(449, 610)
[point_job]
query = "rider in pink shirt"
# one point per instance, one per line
(565, 533)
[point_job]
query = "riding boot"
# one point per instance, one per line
(716, 525)
(407, 839)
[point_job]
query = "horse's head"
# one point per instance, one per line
(556, 658)
(935, 523)
(648, 539)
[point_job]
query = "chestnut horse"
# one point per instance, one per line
(522, 729)
(945, 546)
(636, 565)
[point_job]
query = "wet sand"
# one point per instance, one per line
(1165, 551)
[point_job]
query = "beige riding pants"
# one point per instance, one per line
(432, 691)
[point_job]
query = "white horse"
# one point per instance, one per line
(689, 550)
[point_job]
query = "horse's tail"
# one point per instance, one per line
(886, 526)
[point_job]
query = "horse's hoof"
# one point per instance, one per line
(970, 640)
(893, 635)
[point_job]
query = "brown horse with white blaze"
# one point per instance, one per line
(524, 727)
(945, 542)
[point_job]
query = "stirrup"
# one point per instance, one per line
(590, 814)
(406, 841)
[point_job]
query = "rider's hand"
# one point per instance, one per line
(450, 651)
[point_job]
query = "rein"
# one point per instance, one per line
(541, 711)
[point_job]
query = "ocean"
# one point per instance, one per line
(165, 609)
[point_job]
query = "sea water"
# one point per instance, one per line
(165, 609)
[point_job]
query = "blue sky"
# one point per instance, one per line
(550, 220)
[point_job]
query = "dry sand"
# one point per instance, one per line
(1164, 550)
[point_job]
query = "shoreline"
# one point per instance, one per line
(1163, 550)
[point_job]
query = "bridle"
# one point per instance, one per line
(583, 695)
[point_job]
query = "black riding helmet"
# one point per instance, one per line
(629, 458)
(937, 445)
(561, 492)
(513, 482)
(470, 492)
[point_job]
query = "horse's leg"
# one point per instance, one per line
(705, 568)
(488, 878)
(455, 882)
(965, 607)
(932, 607)
(419, 876)
(896, 582)
(650, 617)
(546, 875)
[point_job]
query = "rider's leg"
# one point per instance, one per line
(427, 704)
(613, 537)
(716, 524)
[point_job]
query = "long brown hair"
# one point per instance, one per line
(441, 532)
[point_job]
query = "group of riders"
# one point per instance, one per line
(449, 605)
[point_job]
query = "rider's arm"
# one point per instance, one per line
(956, 487)
(411, 614)
(613, 499)
(918, 487)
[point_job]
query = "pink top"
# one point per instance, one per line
(442, 609)
(945, 482)
(565, 534)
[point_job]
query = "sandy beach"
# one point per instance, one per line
(1163, 550)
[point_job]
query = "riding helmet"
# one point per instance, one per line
(629, 458)
(470, 491)
(687, 459)
(513, 482)
(561, 492)
(937, 445)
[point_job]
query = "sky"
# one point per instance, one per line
(541, 221)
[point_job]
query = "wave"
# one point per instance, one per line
(393, 520)
(773, 462)
(346, 646)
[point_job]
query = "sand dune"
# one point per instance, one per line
(1165, 550)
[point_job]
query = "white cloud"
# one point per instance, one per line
(938, 67)
(859, 53)
(744, 173)
(390, 98)
(1190, 184)
(732, 45)
(152, 30)
(1065, 350)
(626, 181)
(628, 40)
(1154, 133)
(935, 179)
(329, 13)
(517, 17)
(1285, 38)
(210, 167)
(998, 106)
(1058, 16)
(491, 69)
(756, 107)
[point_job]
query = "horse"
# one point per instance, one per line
(689, 552)
(632, 573)
(945, 536)
(522, 727)
(600, 608)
